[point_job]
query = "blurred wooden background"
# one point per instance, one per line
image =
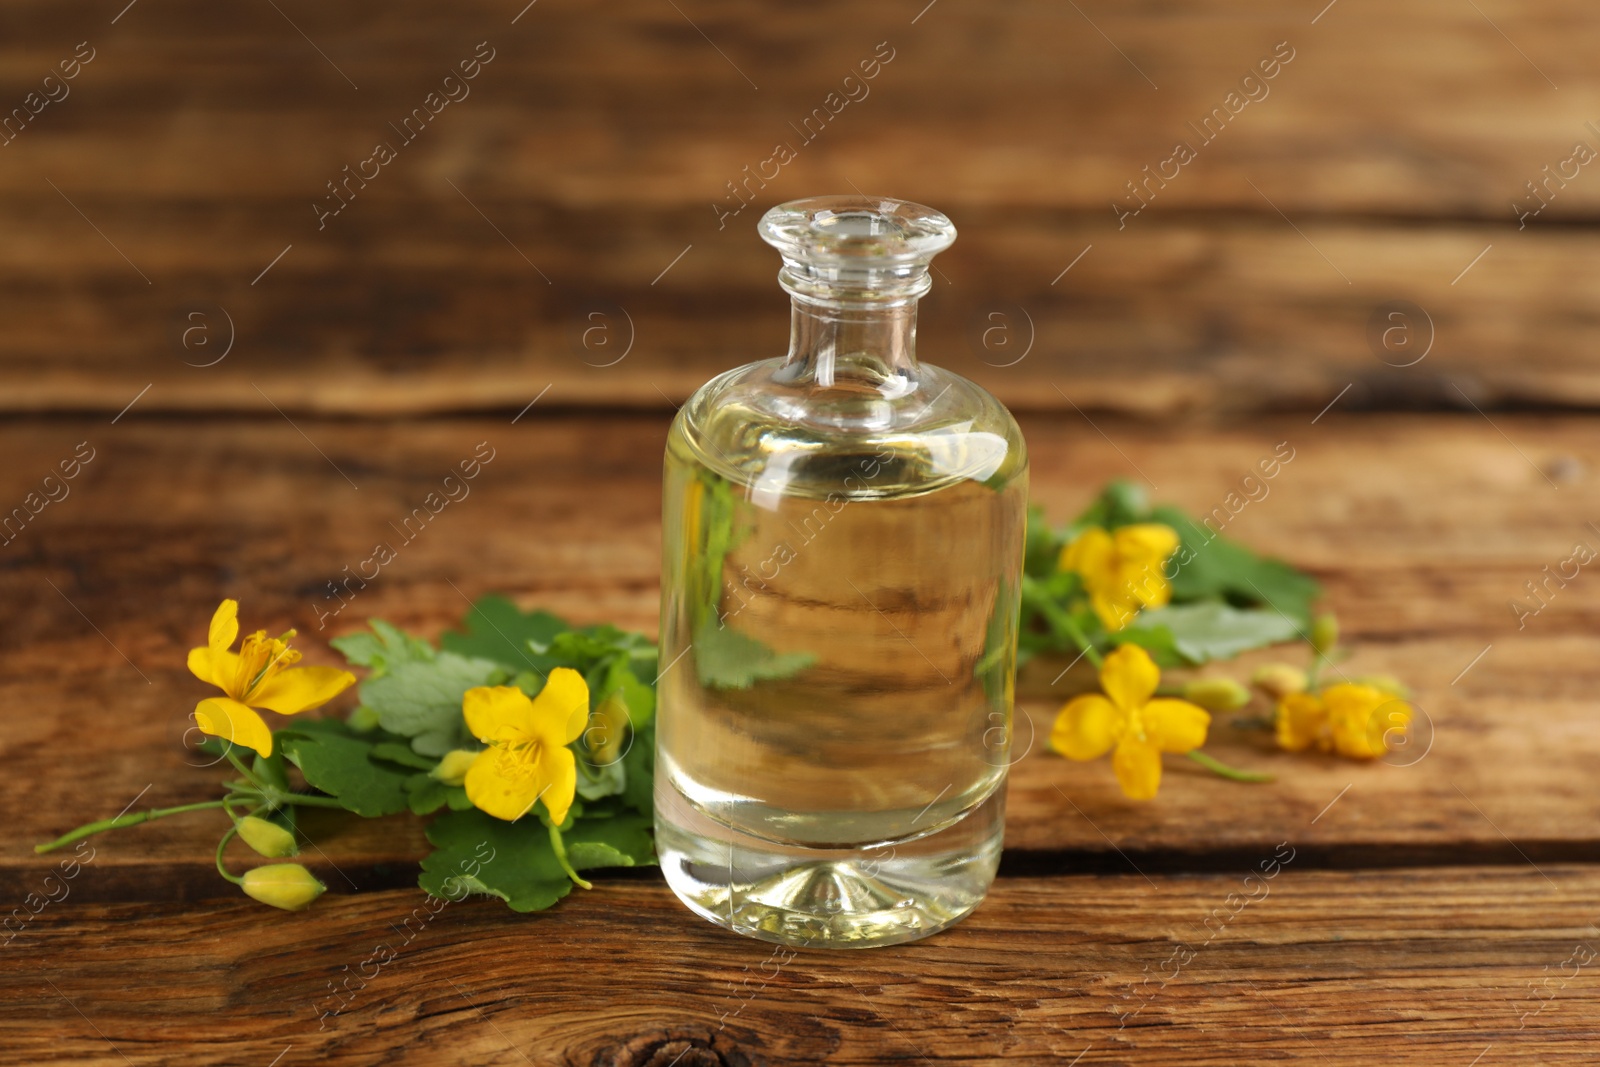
(562, 213)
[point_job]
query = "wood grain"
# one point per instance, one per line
(1422, 528)
(1404, 967)
(591, 151)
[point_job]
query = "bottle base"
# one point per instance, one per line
(865, 897)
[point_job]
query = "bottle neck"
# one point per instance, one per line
(861, 347)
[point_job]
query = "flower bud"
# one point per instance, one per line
(452, 770)
(283, 885)
(267, 838)
(1386, 683)
(1325, 633)
(1127, 499)
(1216, 694)
(1280, 680)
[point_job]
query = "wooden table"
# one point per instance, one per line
(547, 268)
(1423, 916)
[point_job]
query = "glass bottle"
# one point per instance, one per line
(842, 537)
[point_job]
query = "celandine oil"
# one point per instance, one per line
(842, 537)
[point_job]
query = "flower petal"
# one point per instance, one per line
(502, 785)
(232, 721)
(1145, 543)
(561, 710)
(1089, 554)
(216, 666)
(1138, 768)
(297, 689)
(1129, 677)
(1115, 605)
(501, 714)
(1175, 725)
(1086, 728)
(1299, 720)
(224, 625)
(558, 770)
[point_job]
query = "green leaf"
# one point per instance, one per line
(1043, 545)
(1120, 503)
(339, 765)
(1158, 641)
(403, 754)
(639, 766)
(641, 701)
(426, 794)
(385, 648)
(422, 700)
(496, 629)
(476, 853)
(605, 780)
(621, 840)
(271, 769)
(728, 659)
(1211, 566)
(1212, 630)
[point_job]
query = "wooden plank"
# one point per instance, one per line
(439, 314)
(597, 178)
(1422, 528)
(1032, 103)
(1404, 967)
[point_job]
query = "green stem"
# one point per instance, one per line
(1314, 674)
(561, 858)
(121, 821)
(1233, 774)
(1059, 621)
(222, 845)
(1092, 653)
(238, 765)
(308, 800)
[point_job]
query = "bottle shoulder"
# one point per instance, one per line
(773, 436)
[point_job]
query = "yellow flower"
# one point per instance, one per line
(1350, 719)
(527, 758)
(283, 885)
(1125, 717)
(260, 675)
(1122, 570)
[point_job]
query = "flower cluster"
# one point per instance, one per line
(1135, 589)
(494, 728)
